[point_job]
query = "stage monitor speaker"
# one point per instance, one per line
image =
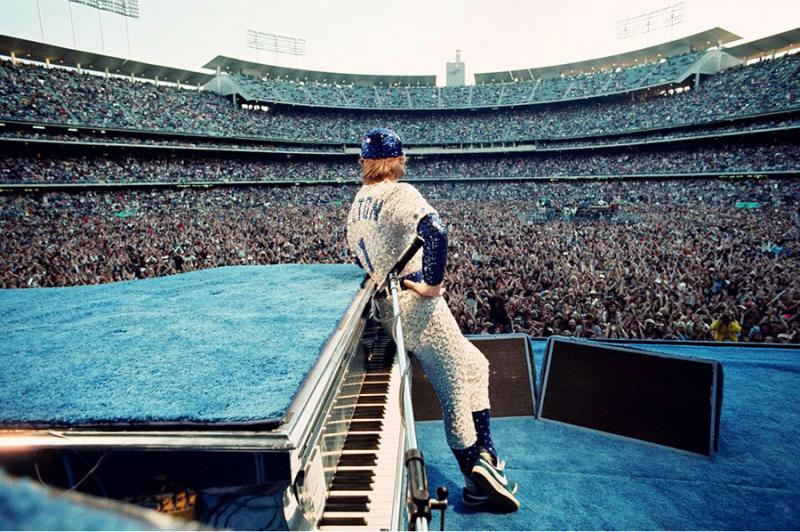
(512, 378)
(664, 399)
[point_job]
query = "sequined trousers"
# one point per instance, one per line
(457, 370)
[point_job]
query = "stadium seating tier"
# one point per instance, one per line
(34, 94)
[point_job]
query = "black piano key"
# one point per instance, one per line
(347, 503)
(375, 387)
(351, 485)
(363, 436)
(342, 521)
(358, 460)
(361, 442)
(369, 412)
(348, 499)
(365, 426)
(351, 507)
(375, 400)
(365, 475)
(353, 475)
(359, 436)
(376, 378)
(361, 446)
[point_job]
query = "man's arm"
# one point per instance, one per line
(434, 256)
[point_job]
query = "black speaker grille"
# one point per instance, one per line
(652, 397)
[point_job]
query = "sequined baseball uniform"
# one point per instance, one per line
(381, 224)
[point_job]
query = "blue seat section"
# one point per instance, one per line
(226, 345)
(25, 505)
(575, 479)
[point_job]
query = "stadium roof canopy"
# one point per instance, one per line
(41, 52)
(767, 45)
(698, 41)
(240, 66)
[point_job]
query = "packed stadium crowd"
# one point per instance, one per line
(32, 93)
(673, 133)
(345, 95)
(161, 140)
(672, 259)
(677, 258)
(250, 144)
(747, 158)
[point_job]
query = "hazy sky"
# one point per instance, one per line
(398, 37)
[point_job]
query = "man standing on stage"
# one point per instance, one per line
(386, 216)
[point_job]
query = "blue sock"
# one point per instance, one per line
(466, 458)
(481, 420)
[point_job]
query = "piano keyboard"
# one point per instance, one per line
(362, 491)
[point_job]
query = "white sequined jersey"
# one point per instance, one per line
(382, 224)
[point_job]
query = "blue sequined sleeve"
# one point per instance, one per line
(434, 248)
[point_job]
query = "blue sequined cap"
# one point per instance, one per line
(381, 143)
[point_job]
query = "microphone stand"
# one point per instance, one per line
(419, 503)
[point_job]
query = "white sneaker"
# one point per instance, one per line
(491, 480)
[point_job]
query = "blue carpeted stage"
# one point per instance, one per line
(571, 478)
(222, 346)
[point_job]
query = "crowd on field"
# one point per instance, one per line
(678, 259)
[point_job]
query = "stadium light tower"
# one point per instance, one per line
(125, 8)
(455, 71)
(666, 17)
(279, 44)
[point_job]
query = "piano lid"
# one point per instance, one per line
(230, 352)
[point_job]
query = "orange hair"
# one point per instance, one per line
(376, 170)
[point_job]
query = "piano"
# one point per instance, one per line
(335, 461)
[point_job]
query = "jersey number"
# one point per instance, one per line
(363, 246)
